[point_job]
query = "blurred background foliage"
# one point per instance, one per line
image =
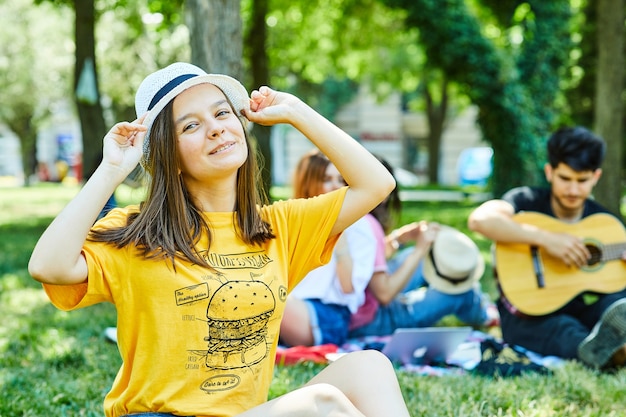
(529, 66)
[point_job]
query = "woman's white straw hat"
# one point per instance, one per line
(162, 86)
(454, 264)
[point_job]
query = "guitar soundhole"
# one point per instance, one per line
(596, 254)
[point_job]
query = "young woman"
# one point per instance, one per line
(318, 310)
(200, 272)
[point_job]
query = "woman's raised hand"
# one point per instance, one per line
(269, 107)
(123, 145)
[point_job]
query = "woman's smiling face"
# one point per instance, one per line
(211, 138)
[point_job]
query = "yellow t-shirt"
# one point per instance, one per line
(196, 341)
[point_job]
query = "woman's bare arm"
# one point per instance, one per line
(57, 257)
(369, 181)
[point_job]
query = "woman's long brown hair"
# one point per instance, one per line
(169, 224)
(308, 179)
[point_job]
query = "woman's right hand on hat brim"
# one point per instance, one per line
(123, 146)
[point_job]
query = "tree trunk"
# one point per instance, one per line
(216, 35)
(23, 127)
(87, 94)
(608, 101)
(436, 114)
(256, 50)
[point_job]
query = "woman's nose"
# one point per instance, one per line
(215, 129)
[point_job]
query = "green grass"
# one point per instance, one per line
(54, 363)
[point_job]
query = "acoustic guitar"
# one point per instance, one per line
(537, 283)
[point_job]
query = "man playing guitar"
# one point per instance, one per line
(591, 326)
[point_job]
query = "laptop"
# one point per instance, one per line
(425, 345)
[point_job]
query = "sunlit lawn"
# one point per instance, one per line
(58, 364)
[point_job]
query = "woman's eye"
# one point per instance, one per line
(222, 112)
(189, 126)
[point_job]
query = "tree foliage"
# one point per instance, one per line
(510, 57)
(513, 79)
(135, 38)
(317, 47)
(33, 56)
(579, 88)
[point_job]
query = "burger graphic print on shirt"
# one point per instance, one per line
(237, 318)
(231, 318)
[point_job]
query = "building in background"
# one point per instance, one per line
(60, 147)
(386, 130)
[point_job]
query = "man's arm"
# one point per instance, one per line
(494, 220)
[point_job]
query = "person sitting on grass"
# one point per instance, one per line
(417, 285)
(591, 326)
(200, 272)
(318, 310)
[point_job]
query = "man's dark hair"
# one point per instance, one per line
(577, 147)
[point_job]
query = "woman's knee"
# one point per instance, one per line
(329, 400)
(368, 361)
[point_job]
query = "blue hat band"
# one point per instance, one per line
(169, 87)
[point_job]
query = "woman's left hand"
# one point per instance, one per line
(269, 107)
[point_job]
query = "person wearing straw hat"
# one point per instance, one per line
(418, 285)
(200, 271)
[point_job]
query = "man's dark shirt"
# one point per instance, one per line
(538, 199)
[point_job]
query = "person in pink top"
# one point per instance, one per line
(417, 285)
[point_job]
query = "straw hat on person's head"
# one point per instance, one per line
(162, 86)
(454, 263)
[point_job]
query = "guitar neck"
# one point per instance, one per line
(612, 251)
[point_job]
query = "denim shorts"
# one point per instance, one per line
(329, 322)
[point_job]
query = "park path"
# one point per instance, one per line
(443, 195)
